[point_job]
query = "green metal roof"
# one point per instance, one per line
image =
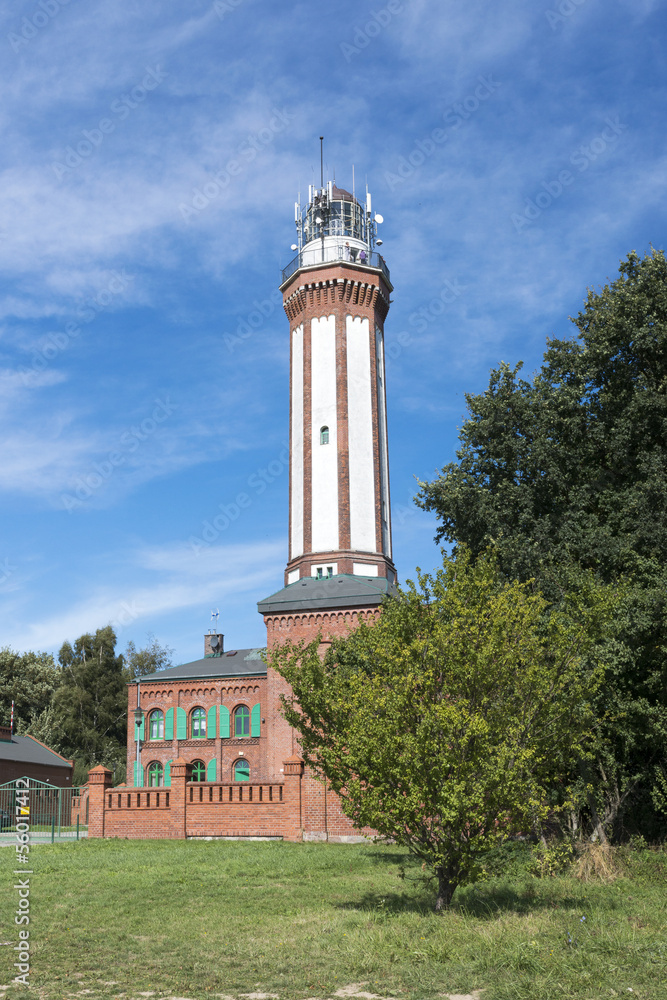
(233, 663)
(343, 591)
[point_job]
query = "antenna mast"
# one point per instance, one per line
(321, 161)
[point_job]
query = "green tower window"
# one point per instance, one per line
(155, 775)
(156, 725)
(242, 721)
(324, 435)
(242, 770)
(198, 724)
(198, 770)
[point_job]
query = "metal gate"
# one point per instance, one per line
(49, 813)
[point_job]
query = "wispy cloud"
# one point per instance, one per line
(177, 582)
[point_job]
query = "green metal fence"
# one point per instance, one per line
(49, 813)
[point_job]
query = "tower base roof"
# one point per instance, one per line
(343, 591)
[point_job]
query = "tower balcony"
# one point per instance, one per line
(334, 252)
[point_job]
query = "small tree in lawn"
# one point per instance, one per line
(453, 722)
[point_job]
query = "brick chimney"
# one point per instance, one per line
(214, 644)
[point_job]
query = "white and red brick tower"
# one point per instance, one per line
(336, 294)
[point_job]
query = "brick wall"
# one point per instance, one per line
(59, 777)
(197, 809)
(322, 815)
(203, 693)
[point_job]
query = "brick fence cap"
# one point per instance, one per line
(293, 760)
(100, 769)
(180, 760)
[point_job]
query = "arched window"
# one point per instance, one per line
(324, 435)
(155, 774)
(198, 728)
(198, 770)
(242, 721)
(156, 725)
(242, 770)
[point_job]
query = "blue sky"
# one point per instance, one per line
(150, 158)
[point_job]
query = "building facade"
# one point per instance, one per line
(26, 757)
(216, 722)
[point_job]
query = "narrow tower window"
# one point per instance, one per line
(324, 435)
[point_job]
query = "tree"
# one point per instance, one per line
(449, 723)
(29, 680)
(148, 660)
(91, 702)
(568, 472)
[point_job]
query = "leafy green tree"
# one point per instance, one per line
(568, 472)
(147, 660)
(44, 727)
(30, 681)
(91, 702)
(449, 723)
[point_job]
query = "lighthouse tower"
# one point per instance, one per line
(336, 294)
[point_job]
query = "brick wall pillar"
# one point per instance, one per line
(181, 773)
(99, 780)
(293, 774)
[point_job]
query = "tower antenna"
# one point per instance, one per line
(353, 180)
(321, 161)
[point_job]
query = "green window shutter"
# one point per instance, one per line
(138, 775)
(181, 724)
(211, 770)
(224, 722)
(210, 725)
(169, 724)
(167, 773)
(139, 730)
(255, 720)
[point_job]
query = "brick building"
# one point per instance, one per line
(25, 756)
(214, 725)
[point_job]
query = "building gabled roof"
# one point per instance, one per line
(343, 591)
(233, 663)
(28, 750)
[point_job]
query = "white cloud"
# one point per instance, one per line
(179, 581)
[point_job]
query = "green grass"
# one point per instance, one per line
(192, 919)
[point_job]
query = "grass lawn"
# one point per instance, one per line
(198, 919)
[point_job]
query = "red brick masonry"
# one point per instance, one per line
(298, 807)
(197, 809)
